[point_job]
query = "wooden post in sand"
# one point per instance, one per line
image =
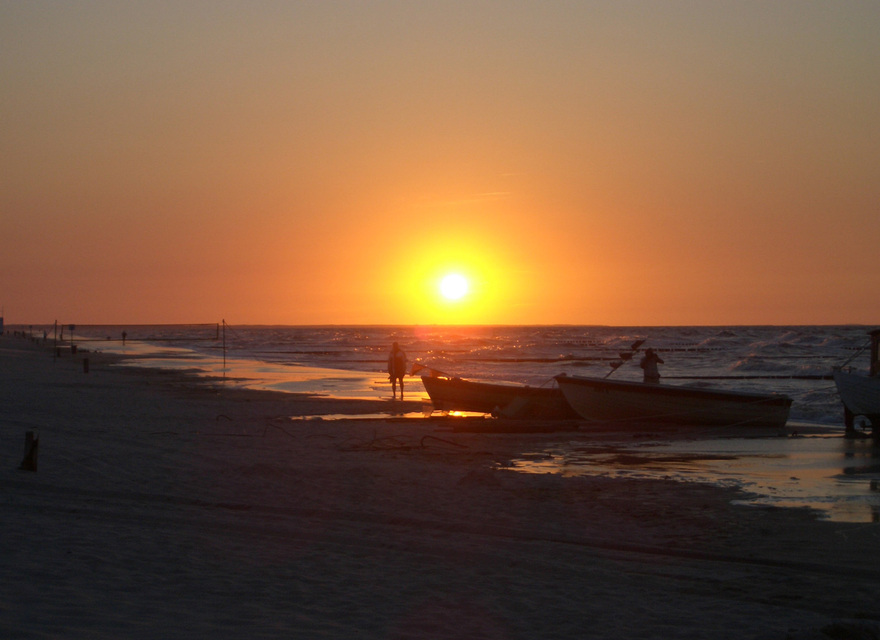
(31, 446)
(85, 365)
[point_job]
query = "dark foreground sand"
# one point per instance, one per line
(164, 508)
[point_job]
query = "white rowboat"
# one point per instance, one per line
(860, 394)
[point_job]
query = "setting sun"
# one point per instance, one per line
(454, 286)
(459, 279)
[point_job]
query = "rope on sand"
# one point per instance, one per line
(280, 428)
(396, 443)
(454, 444)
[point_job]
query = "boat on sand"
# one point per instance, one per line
(860, 393)
(504, 400)
(603, 400)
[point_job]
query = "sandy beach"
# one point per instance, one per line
(165, 506)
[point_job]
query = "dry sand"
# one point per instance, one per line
(163, 507)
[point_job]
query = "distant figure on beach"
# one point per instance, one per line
(396, 369)
(649, 364)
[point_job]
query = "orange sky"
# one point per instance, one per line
(635, 163)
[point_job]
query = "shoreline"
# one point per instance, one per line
(159, 497)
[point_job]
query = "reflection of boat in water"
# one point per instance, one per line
(860, 393)
(602, 400)
(506, 400)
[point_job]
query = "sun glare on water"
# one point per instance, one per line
(453, 286)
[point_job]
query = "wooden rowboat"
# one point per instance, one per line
(602, 400)
(505, 400)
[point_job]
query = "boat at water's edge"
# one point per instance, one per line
(860, 395)
(602, 400)
(505, 400)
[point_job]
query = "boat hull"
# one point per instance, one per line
(601, 400)
(507, 400)
(860, 394)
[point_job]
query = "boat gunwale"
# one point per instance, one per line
(510, 387)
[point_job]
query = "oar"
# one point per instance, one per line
(634, 347)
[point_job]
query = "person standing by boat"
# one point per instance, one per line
(649, 364)
(396, 369)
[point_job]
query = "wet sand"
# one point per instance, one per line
(164, 507)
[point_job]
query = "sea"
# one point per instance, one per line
(811, 466)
